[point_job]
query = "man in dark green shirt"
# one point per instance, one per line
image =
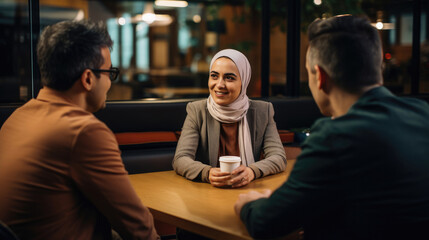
(363, 172)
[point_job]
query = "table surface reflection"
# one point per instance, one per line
(199, 207)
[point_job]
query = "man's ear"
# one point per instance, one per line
(322, 78)
(87, 80)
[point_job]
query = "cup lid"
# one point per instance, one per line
(229, 159)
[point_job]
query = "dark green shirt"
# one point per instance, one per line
(364, 175)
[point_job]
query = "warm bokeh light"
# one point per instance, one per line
(196, 18)
(80, 15)
(388, 56)
(148, 17)
(317, 2)
(379, 25)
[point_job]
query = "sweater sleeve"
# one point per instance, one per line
(99, 173)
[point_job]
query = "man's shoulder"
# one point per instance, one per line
(91, 121)
(383, 101)
(87, 130)
(376, 117)
(86, 121)
(388, 111)
(74, 119)
(410, 104)
(324, 125)
(46, 114)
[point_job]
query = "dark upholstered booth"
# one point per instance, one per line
(147, 131)
(148, 124)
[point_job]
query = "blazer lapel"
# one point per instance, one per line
(251, 120)
(213, 131)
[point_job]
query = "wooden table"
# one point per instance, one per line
(198, 207)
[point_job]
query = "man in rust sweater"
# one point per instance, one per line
(61, 173)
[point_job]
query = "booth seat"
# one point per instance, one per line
(148, 131)
(153, 151)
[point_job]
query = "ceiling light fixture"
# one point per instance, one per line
(380, 25)
(170, 3)
(150, 18)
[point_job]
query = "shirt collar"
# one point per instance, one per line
(51, 95)
(377, 92)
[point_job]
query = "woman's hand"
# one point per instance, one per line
(218, 178)
(241, 176)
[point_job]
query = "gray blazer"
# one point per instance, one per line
(198, 146)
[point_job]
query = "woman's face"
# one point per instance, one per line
(224, 81)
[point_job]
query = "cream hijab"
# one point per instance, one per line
(237, 110)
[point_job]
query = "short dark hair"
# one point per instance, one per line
(348, 48)
(67, 48)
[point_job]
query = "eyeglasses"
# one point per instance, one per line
(113, 72)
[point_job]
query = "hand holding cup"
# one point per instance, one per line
(241, 176)
(231, 173)
(220, 177)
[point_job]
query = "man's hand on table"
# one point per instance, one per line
(249, 197)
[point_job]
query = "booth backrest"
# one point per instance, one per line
(144, 116)
(147, 132)
(170, 115)
(295, 112)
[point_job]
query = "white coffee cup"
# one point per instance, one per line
(229, 163)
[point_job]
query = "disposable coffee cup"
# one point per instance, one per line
(229, 163)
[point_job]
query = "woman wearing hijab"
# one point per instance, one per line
(228, 123)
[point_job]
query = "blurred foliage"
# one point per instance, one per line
(309, 10)
(328, 8)
(278, 11)
(212, 11)
(243, 46)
